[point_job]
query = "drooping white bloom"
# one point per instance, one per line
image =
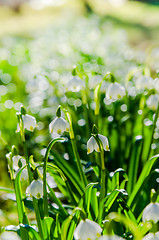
(29, 123)
(92, 144)
(87, 230)
(151, 212)
(9, 235)
(115, 91)
(35, 189)
(152, 101)
(24, 175)
(156, 84)
(151, 236)
(110, 237)
(144, 82)
(59, 125)
(75, 84)
(18, 161)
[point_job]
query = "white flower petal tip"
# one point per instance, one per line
(151, 213)
(87, 230)
(9, 235)
(115, 92)
(59, 125)
(18, 162)
(92, 144)
(35, 189)
(151, 236)
(29, 123)
(75, 84)
(152, 101)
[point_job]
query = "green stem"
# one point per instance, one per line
(38, 218)
(103, 186)
(79, 165)
(74, 147)
(103, 178)
(35, 204)
(27, 162)
(46, 214)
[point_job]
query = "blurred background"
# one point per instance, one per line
(40, 38)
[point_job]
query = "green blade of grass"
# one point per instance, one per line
(134, 163)
(145, 172)
(68, 171)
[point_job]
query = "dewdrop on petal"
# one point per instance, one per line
(87, 230)
(151, 236)
(92, 144)
(35, 189)
(151, 212)
(115, 91)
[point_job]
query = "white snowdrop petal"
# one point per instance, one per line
(151, 236)
(59, 125)
(152, 101)
(16, 160)
(29, 122)
(75, 84)
(104, 141)
(90, 145)
(115, 91)
(87, 230)
(35, 189)
(151, 212)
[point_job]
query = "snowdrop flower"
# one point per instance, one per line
(156, 84)
(29, 123)
(87, 229)
(110, 237)
(115, 91)
(59, 125)
(152, 101)
(75, 84)
(92, 144)
(18, 162)
(151, 212)
(144, 82)
(151, 236)
(35, 189)
(24, 175)
(9, 235)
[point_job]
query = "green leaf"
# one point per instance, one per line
(68, 172)
(134, 163)
(47, 223)
(8, 190)
(31, 231)
(65, 227)
(145, 172)
(110, 199)
(20, 204)
(87, 197)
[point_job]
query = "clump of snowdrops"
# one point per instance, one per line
(98, 176)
